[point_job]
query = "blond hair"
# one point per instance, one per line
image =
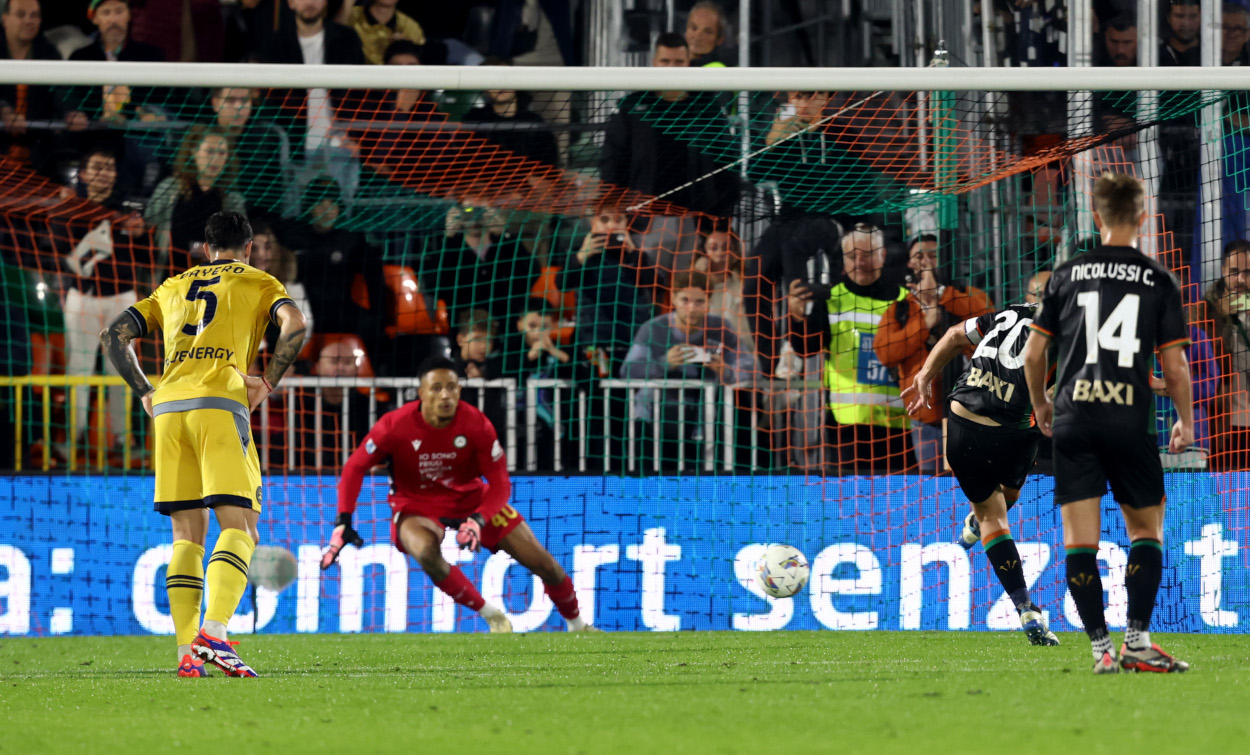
(1119, 199)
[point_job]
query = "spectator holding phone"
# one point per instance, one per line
(615, 285)
(912, 327)
(482, 262)
(1228, 309)
(688, 343)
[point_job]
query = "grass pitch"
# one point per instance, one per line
(637, 693)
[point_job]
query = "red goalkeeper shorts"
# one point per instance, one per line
(494, 531)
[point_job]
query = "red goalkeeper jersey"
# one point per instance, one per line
(435, 472)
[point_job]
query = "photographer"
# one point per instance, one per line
(870, 423)
(1228, 309)
(910, 329)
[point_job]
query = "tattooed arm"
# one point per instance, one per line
(115, 340)
(291, 329)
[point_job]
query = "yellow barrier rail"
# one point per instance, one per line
(21, 383)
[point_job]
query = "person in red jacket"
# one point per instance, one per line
(438, 451)
(909, 330)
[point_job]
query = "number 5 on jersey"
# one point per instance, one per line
(198, 292)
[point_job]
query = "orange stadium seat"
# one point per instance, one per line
(563, 303)
(410, 312)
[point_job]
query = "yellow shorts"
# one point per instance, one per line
(205, 457)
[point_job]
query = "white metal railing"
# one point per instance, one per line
(405, 390)
(604, 407)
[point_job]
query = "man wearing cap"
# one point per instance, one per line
(112, 43)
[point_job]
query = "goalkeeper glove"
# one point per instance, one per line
(342, 535)
(470, 534)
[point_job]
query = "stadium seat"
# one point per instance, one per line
(562, 303)
(410, 310)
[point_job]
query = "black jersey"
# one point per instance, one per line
(1108, 311)
(993, 384)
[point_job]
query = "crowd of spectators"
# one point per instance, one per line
(662, 292)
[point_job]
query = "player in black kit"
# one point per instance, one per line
(1107, 312)
(990, 442)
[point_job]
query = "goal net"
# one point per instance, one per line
(611, 269)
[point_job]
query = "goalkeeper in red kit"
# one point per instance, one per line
(438, 450)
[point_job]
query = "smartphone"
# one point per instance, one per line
(616, 239)
(698, 355)
(1240, 303)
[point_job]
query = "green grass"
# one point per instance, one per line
(713, 692)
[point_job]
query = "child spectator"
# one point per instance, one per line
(532, 352)
(475, 342)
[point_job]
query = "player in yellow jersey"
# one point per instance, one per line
(213, 318)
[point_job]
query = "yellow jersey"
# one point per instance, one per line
(213, 317)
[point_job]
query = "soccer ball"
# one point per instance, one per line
(272, 568)
(782, 571)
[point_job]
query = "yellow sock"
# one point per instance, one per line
(227, 574)
(184, 581)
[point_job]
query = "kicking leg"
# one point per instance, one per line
(1005, 561)
(1142, 576)
(422, 539)
(1082, 528)
(521, 544)
(184, 579)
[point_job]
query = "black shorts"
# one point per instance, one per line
(984, 457)
(1087, 457)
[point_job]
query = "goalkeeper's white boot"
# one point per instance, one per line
(971, 534)
(496, 619)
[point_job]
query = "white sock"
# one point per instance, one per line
(1138, 639)
(214, 629)
(183, 650)
(1102, 645)
(576, 624)
(489, 612)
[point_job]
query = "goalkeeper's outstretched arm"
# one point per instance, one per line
(361, 461)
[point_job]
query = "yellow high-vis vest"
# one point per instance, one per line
(862, 391)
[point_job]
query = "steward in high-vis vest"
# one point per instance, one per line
(870, 422)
